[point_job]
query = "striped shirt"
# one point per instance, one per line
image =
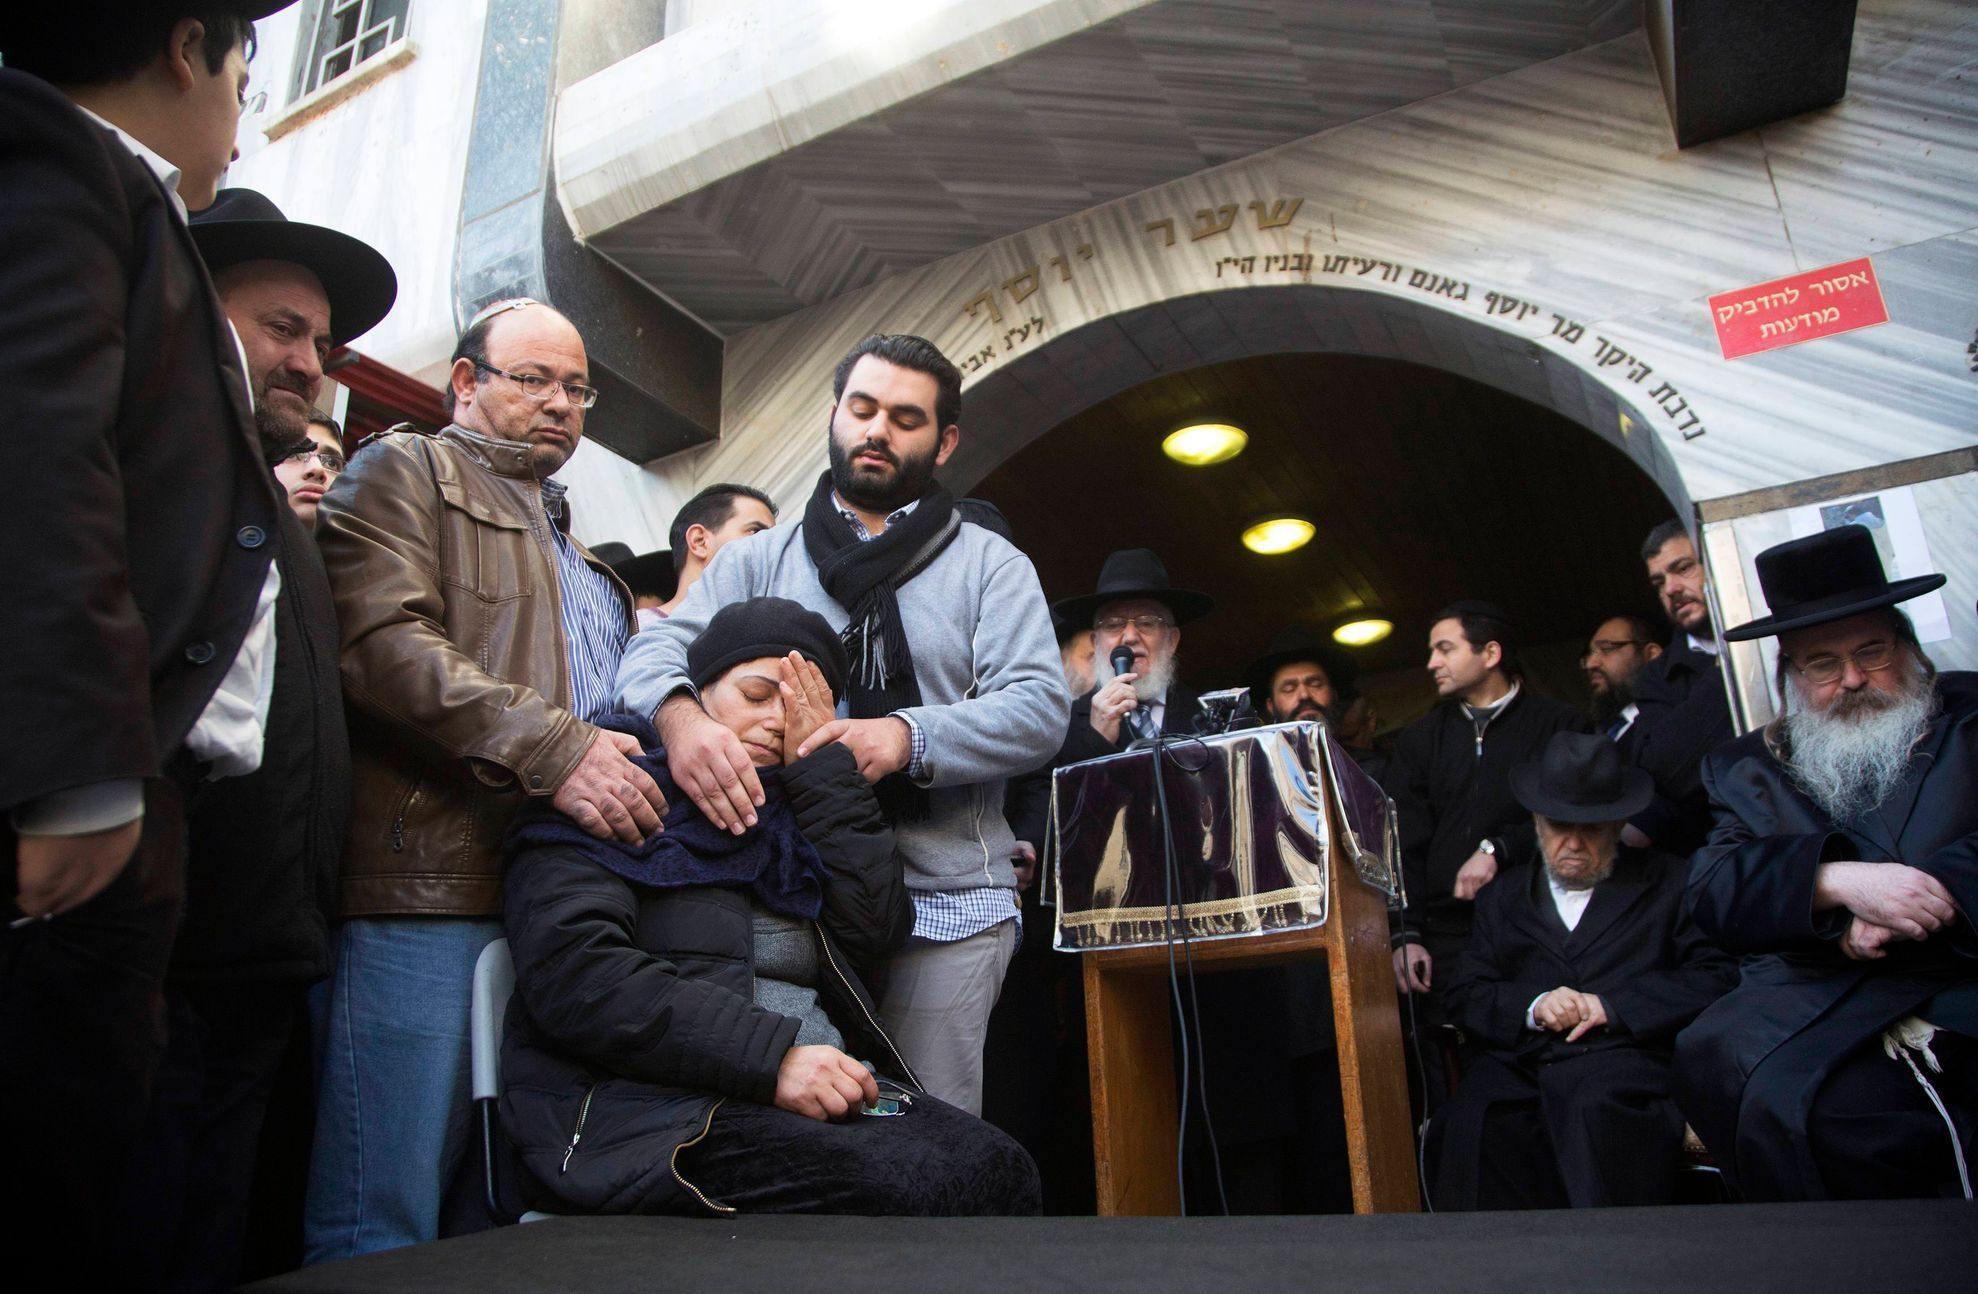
(940, 916)
(594, 624)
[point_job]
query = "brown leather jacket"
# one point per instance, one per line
(454, 665)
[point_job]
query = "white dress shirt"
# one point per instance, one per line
(1571, 906)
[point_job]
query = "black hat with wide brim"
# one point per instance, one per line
(1579, 777)
(1825, 577)
(1135, 573)
(1292, 646)
(243, 225)
(643, 573)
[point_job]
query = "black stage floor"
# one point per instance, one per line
(1862, 1248)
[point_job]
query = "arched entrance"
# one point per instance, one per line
(1439, 457)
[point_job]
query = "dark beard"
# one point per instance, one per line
(911, 477)
(1329, 713)
(1607, 706)
(279, 435)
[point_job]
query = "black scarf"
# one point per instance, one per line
(772, 860)
(863, 577)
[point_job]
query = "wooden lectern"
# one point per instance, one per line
(1134, 1111)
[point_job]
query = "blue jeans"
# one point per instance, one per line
(393, 1111)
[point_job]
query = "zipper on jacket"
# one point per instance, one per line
(583, 1113)
(398, 815)
(877, 1029)
(673, 1163)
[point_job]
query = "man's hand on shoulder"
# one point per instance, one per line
(709, 763)
(608, 795)
(881, 746)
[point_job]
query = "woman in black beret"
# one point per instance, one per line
(689, 1032)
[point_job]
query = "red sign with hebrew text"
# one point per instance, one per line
(1785, 312)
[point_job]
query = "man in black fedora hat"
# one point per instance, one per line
(263, 849)
(139, 570)
(1576, 978)
(1843, 865)
(1135, 608)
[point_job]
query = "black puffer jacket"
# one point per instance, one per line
(634, 1013)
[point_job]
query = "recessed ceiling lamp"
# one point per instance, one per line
(1205, 443)
(1362, 633)
(1275, 535)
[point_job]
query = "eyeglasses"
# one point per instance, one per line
(1147, 625)
(1608, 646)
(538, 387)
(332, 461)
(1824, 669)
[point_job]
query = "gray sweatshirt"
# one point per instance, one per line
(993, 693)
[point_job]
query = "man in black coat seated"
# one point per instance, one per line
(688, 1027)
(1577, 976)
(1843, 864)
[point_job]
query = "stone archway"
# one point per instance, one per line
(1012, 405)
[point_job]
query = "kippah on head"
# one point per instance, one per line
(744, 631)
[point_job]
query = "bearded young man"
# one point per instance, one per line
(954, 686)
(1843, 865)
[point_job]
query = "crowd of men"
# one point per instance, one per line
(276, 709)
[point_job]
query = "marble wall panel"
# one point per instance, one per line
(1547, 207)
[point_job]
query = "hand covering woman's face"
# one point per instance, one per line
(747, 702)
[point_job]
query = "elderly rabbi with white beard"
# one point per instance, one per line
(1843, 864)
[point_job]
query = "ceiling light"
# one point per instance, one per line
(1279, 535)
(1205, 443)
(1362, 633)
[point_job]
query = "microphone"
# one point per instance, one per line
(1121, 659)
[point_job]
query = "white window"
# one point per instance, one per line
(347, 33)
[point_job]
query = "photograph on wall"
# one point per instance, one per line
(1890, 516)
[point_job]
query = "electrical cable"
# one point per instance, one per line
(1191, 1015)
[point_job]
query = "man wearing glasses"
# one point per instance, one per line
(306, 474)
(1842, 865)
(1133, 608)
(1613, 662)
(480, 641)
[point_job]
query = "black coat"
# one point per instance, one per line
(1749, 1068)
(1684, 715)
(140, 515)
(1635, 948)
(1611, 1122)
(1448, 796)
(261, 881)
(634, 1013)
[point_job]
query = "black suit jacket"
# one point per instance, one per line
(1448, 797)
(1635, 948)
(262, 886)
(140, 516)
(1751, 888)
(1684, 716)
